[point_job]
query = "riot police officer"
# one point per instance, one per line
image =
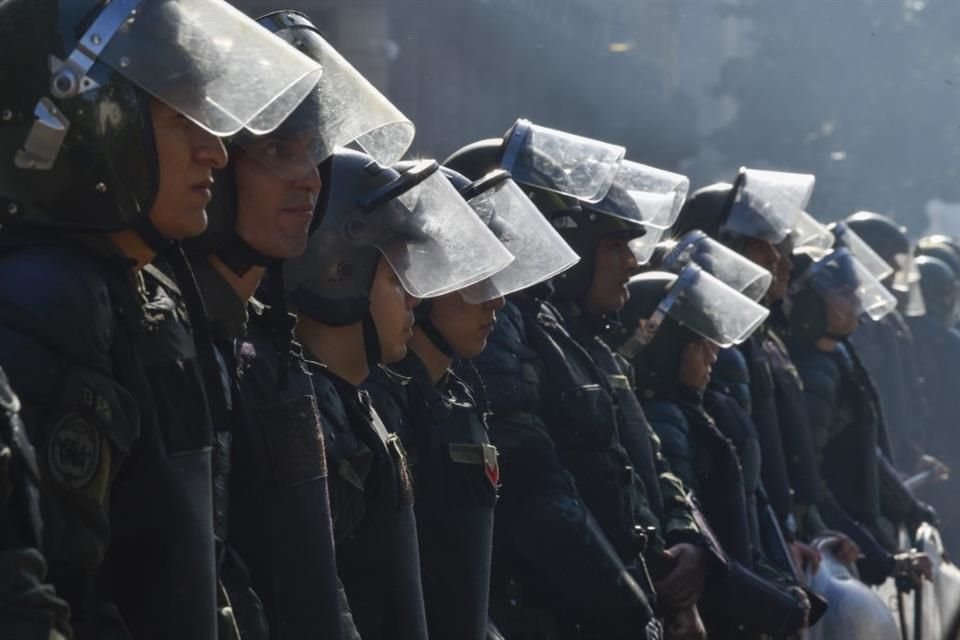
(886, 347)
(571, 556)
(95, 337)
(828, 296)
(438, 410)
(385, 238)
(674, 326)
(262, 211)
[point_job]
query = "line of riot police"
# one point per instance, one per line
(274, 382)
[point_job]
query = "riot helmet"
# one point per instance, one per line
(887, 238)
(848, 238)
(583, 186)
(940, 247)
(718, 260)
(539, 251)
(759, 205)
(667, 311)
(74, 109)
(941, 289)
(839, 281)
(415, 220)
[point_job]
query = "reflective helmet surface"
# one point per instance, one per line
(882, 233)
(941, 288)
(104, 174)
(705, 210)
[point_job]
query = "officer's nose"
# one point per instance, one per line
(208, 149)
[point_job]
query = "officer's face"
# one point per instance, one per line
(696, 363)
(781, 274)
(464, 326)
(762, 253)
(843, 313)
(392, 310)
(274, 212)
(615, 264)
(186, 158)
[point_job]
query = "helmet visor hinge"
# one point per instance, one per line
(42, 146)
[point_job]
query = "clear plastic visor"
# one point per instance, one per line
(916, 305)
(645, 194)
(768, 204)
(810, 234)
(348, 108)
(840, 274)
(907, 272)
(211, 63)
(644, 246)
(541, 253)
(711, 309)
(561, 162)
(848, 238)
(435, 242)
(721, 262)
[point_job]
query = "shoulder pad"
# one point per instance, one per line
(58, 298)
(661, 413)
(388, 393)
(333, 413)
(820, 373)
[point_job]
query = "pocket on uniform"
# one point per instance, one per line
(472, 475)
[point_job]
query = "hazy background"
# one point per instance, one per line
(863, 93)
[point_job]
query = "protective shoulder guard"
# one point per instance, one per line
(665, 414)
(509, 367)
(55, 303)
(731, 375)
(821, 374)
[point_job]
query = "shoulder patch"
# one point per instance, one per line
(73, 451)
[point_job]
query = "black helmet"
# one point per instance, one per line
(884, 236)
(431, 237)
(567, 188)
(762, 205)
(706, 211)
(941, 288)
(74, 116)
(657, 365)
(943, 247)
(342, 109)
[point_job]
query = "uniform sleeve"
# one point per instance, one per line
(56, 332)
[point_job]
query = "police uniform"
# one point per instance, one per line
(568, 540)
(455, 476)
(371, 496)
(279, 514)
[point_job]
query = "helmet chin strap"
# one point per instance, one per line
(422, 313)
(149, 233)
(371, 341)
(240, 257)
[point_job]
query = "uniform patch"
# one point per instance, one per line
(485, 454)
(73, 452)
